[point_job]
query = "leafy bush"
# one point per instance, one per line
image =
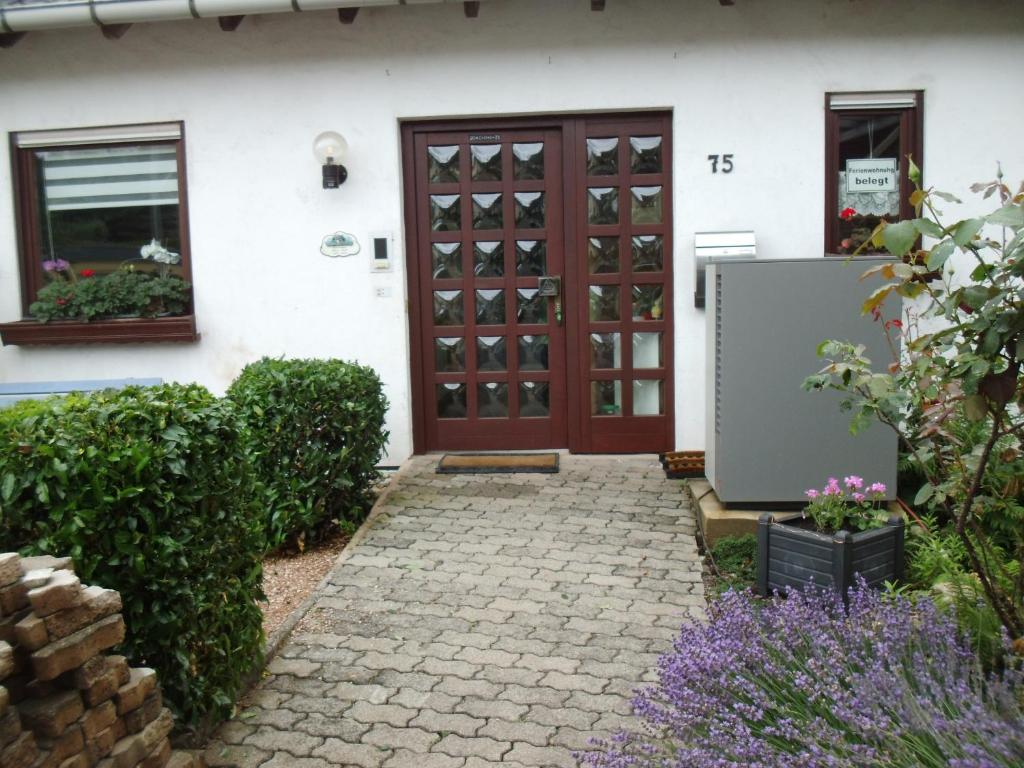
(955, 392)
(801, 683)
(317, 432)
(149, 490)
(124, 292)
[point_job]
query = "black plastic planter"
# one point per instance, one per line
(789, 556)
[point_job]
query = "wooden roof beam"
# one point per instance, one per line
(471, 8)
(347, 15)
(727, 2)
(597, 5)
(114, 31)
(7, 39)
(229, 23)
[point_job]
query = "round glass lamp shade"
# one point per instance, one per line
(331, 146)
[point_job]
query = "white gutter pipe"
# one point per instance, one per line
(55, 14)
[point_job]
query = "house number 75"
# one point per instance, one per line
(726, 163)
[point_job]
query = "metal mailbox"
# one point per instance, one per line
(718, 246)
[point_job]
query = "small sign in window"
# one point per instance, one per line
(873, 175)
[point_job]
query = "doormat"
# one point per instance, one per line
(494, 463)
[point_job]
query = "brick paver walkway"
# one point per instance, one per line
(484, 620)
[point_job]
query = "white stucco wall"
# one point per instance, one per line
(748, 80)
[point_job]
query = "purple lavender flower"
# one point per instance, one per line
(806, 682)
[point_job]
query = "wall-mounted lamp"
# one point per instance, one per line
(329, 147)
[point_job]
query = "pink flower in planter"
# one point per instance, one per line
(859, 497)
(878, 488)
(811, 494)
(853, 482)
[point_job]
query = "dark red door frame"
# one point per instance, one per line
(585, 433)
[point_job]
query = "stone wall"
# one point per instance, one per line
(64, 701)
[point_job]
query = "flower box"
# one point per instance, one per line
(789, 556)
(122, 331)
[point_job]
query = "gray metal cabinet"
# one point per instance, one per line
(767, 439)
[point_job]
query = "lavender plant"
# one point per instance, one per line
(804, 683)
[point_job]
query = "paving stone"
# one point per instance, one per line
(235, 732)
(339, 752)
(75, 649)
(295, 667)
(549, 663)
(492, 620)
(578, 740)
(457, 746)
(541, 756)
(287, 760)
(397, 661)
(421, 681)
(279, 717)
(10, 568)
(61, 590)
(488, 708)
(453, 668)
(457, 687)
(531, 733)
(432, 700)
(404, 758)
(319, 704)
(331, 726)
(96, 603)
(293, 742)
(439, 722)
(141, 683)
(413, 739)
(219, 755)
(507, 675)
(392, 714)
(561, 716)
(564, 682)
(524, 695)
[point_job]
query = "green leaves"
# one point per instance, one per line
(899, 238)
(316, 432)
(939, 254)
(1010, 215)
(151, 492)
(965, 231)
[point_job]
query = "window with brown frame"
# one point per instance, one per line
(868, 140)
(102, 235)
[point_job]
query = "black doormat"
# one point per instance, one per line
(494, 463)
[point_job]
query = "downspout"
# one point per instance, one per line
(29, 17)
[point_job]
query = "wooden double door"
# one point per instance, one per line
(540, 283)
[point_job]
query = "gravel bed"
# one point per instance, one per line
(289, 578)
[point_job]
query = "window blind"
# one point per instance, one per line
(109, 177)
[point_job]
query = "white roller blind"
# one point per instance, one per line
(888, 100)
(110, 177)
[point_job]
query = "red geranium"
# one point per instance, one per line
(88, 272)
(847, 213)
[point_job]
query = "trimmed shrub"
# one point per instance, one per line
(149, 490)
(316, 428)
(804, 682)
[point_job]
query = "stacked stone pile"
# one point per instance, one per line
(64, 702)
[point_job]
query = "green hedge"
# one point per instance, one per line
(150, 491)
(317, 431)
